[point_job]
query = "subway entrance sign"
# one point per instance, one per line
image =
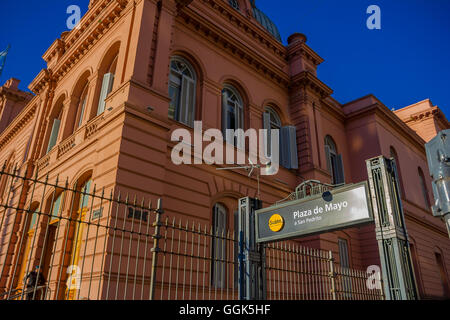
(345, 207)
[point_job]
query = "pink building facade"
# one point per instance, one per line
(115, 89)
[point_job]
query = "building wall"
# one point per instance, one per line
(128, 147)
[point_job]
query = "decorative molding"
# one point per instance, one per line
(393, 120)
(75, 44)
(17, 125)
(300, 48)
(248, 26)
(208, 30)
(14, 94)
(309, 81)
(423, 115)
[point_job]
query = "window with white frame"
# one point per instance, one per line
(287, 141)
(334, 161)
(182, 91)
(54, 133)
(271, 122)
(232, 114)
(82, 106)
(107, 85)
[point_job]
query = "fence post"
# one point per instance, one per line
(251, 286)
(391, 230)
(155, 250)
(332, 274)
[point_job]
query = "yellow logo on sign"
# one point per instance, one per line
(276, 223)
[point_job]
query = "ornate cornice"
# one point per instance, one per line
(434, 112)
(248, 26)
(219, 37)
(74, 45)
(40, 82)
(14, 94)
(333, 108)
(378, 108)
(17, 125)
(307, 80)
(183, 3)
(300, 48)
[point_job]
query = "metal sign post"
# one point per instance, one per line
(438, 155)
(390, 229)
(252, 282)
(320, 211)
(341, 208)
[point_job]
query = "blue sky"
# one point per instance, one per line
(408, 60)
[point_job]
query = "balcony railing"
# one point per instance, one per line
(68, 145)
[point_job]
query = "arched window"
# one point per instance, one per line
(219, 253)
(107, 84)
(271, 122)
(394, 156)
(182, 91)
(443, 274)
(232, 113)
(334, 161)
(81, 107)
(423, 185)
(415, 261)
(54, 209)
(7, 180)
(81, 201)
(55, 125)
(112, 68)
(28, 235)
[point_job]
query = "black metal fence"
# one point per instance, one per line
(73, 242)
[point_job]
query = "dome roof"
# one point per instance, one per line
(268, 24)
(261, 17)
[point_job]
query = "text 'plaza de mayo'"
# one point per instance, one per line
(99, 122)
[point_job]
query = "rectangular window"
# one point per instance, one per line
(443, 274)
(34, 218)
(107, 84)
(174, 93)
(56, 212)
(335, 166)
(343, 254)
(345, 265)
(84, 196)
(83, 108)
(219, 247)
(187, 103)
(54, 134)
